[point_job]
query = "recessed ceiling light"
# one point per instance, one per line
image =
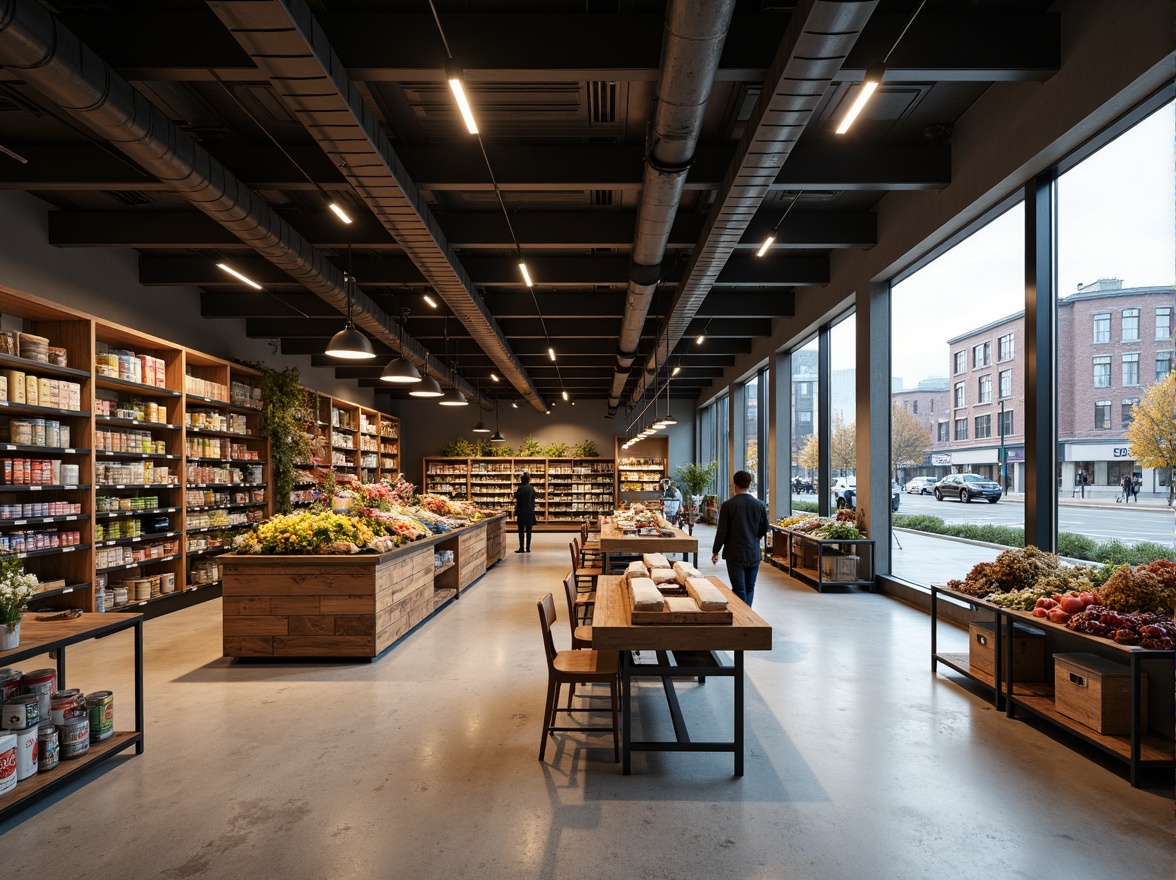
(240, 277)
(339, 212)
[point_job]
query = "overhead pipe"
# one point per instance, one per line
(289, 46)
(818, 39)
(35, 47)
(691, 48)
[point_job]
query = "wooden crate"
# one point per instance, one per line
(1096, 692)
(1028, 651)
(839, 567)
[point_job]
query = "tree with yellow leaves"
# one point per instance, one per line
(909, 440)
(1152, 432)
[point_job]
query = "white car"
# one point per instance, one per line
(921, 486)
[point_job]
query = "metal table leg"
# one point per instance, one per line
(738, 713)
(626, 716)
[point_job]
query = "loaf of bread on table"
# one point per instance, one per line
(663, 576)
(655, 560)
(645, 595)
(636, 569)
(681, 603)
(683, 570)
(707, 595)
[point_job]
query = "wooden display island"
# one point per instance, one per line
(348, 606)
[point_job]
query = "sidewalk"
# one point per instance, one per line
(1147, 500)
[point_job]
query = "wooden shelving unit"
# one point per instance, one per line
(641, 468)
(567, 490)
(170, 463)
(822, 563)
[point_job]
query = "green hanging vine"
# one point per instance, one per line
(286, 414)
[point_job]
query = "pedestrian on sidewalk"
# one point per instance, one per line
(1136, 485)
(1125, 487)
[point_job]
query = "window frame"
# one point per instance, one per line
(1123, 316)
(1164, 312)
(1102, 405)
(986, 421)
(960, 395)
(1103, 360)
(1001, 355)
(1131, 357)
(1097, 319)
(961, 429)
(981, 396)
(1000, 381)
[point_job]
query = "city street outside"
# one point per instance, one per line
(925, 559)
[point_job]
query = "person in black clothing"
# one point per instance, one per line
(525, 512)
(743, 522)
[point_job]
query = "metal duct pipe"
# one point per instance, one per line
(818, 39)
(47, 56)
(691, 48)
(287, 44)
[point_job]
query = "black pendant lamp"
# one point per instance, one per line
(349, 344)
(401, 371)
(452, 397)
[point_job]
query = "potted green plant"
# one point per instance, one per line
(694, 479)
(16, 589)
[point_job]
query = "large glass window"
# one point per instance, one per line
(985, 275)
(805, 458)
(755, 430)
(843, 396)
(723, 445)
(706, 437)
(1116, 264)
(1163, 364)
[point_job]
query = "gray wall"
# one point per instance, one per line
(105, 283)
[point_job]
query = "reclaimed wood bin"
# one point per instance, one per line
(342, 606)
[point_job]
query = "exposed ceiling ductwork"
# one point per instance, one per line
(691, 48)
(819, 38)
(287, 44)
(37, 49)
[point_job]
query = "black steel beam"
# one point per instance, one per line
(147, 230)
(721, 303)
(503, 48)
(728, 328)
(815, 165)
(581, 272)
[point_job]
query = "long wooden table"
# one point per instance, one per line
(613, 540)
(693, 647)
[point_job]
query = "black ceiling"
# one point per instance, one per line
(562, 92)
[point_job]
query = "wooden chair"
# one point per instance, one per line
(585, 575)
(589, 547)
(579, 615)
(570, 667)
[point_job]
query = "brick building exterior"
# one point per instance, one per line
(1112, 344)
(927, 402)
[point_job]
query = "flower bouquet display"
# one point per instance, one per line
(16, 589)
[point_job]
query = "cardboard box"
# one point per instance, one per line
(32, 395)
(45, 392)
(16, 385)
(1028, 651)
(1096, 692)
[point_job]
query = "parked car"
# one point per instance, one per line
(921, 485)
(965, 487)
(844, 492)
(802, 487)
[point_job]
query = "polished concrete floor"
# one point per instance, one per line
(860, 763)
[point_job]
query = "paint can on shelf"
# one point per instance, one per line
(42, 682)
(7, 762)
(47, 745)
(67, 704)
(21, 711)
(26, 752)
(167, 582)
(9, 684)
(101, 705)
(74, 737)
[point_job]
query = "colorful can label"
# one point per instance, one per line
(26, 752)
(47, 743)
(101, 705)
(67, 704)
(7, 762)
(21, 712)
(9, 684)
(42, 682)
(74, 737)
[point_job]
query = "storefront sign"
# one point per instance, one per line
(1017, 454)
(941, 458)
(1120, 451)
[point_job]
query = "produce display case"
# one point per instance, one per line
(823, 563)
(1149, 674)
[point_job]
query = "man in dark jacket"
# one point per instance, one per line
(524, 512)
(743, 522)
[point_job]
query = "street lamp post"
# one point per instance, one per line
(1000, 454)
